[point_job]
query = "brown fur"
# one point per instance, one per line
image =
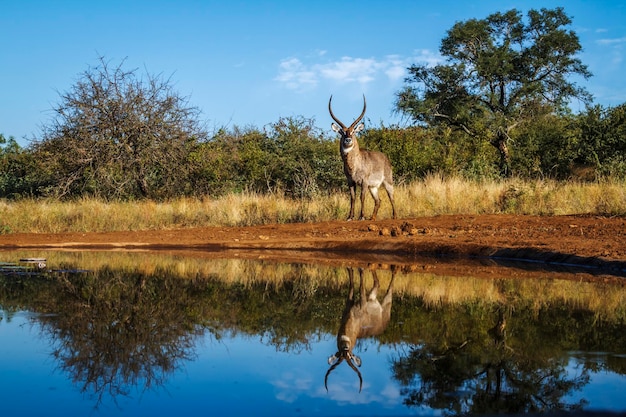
(366, 169)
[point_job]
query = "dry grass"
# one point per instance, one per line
(435, 195)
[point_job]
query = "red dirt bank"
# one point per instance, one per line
(580, 240)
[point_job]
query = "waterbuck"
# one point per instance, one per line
(365, 318)
(366, 169)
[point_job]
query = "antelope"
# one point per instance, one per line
(366, 318)
(363, 168)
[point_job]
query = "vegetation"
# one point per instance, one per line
(500, 73)
(127, 152)
(119, 136)
(435, 195)
(141, 314)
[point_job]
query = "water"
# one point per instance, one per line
(108, 334)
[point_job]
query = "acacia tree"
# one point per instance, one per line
(499, 72)
(118, 135)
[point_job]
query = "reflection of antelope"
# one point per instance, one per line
(366, 169)
(366, 318)
(498, 332)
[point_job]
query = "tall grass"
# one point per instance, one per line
(435, 195)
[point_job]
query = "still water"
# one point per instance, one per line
(107, 334)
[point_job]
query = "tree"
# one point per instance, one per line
(547, 147)
(500, 72)
(17, 170)
(603, 139)
(290, 156)
(118, 135)
(303, 162)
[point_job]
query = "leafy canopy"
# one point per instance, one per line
(499, 72)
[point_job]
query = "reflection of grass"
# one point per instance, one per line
(605, 300)
(434, 195)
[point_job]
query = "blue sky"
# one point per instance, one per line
(248, 63)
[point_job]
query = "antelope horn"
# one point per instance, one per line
(357, 372)
(333, 116)
(332, 368)
(358, 119)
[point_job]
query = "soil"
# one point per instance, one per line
(594, 243)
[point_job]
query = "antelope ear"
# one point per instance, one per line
(335, 127)
(332, 359)
(356, 360)
(360, 127)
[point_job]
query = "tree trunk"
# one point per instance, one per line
(505, 159)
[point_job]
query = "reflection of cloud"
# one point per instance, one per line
(391, 394)
(290, 386)
(300, 384)
(347, 392)
(298, 75)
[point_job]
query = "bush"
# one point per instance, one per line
(118, 135)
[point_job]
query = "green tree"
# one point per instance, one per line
(17, 170)
(290, 156)
(415, 152)
(216, 163)
(500, 72)
(546, 147)
(304, 163)
(119, 135)
(603, 139)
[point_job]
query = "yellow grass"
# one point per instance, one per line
(435, 195)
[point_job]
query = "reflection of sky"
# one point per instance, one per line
(28, 383)
(606, 390)
(288, 384)
(231, 376)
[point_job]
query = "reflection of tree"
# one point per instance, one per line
(485, 375)
(118, 330)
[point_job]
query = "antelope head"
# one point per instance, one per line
(345, 353)
(348, 138)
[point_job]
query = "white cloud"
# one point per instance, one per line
(611, 41)
(296, 75)
(349, 70)
(616, 50)
(427, 57)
